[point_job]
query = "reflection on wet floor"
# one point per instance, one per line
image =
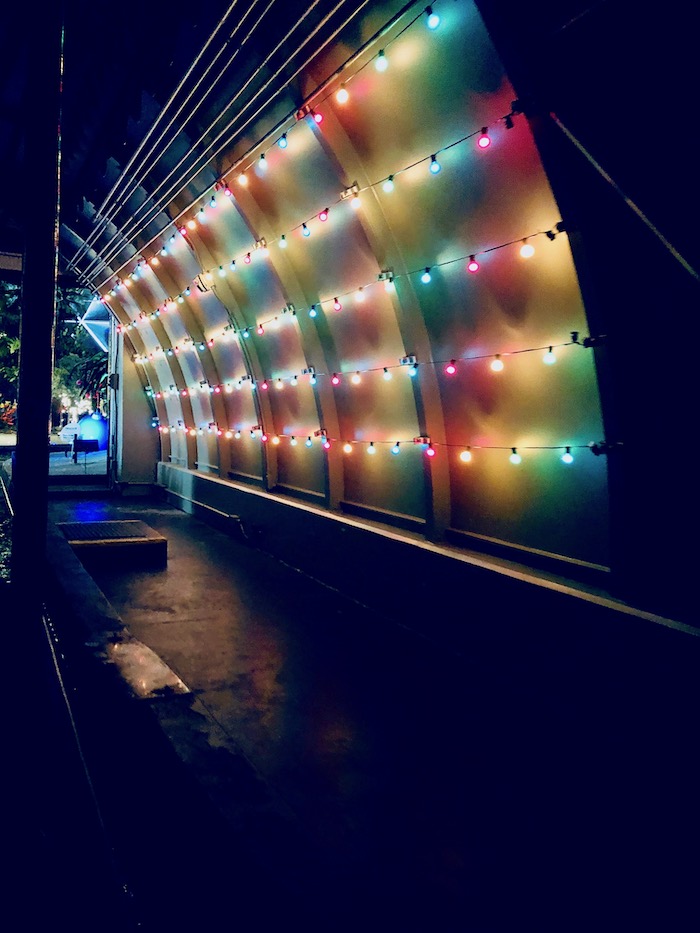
(400, 782)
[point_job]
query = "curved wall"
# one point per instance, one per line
(227, 351)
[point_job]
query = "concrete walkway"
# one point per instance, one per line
(356, 774)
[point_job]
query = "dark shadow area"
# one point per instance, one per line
(491, 768)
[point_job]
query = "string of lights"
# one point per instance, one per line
(429, 447)
(293, 118)
(359, 293)
(409, 362)
(137, 222)
(321, 216)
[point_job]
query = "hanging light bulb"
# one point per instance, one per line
(430, 451)
(283, 242)
(222, 271)
(275, 440)
(347, 448)
(279, 384)
(294, 380)
(243, 179)
(335, 379)
(341, 95)
(515, 457)
(312, 379)
(323, 216)
(262, 162)
(260, 330)
(382, 62)
(567, 456)
(371, 449)
(355, 201)
(451, 368)
(308, 442)
(387, 374)
(433, 18)
(388, 185)
(192, 224)
(227, 191)
(312, 311)
(472, 265)
(527, 250)
(246, 259)
(264, 384)
(337, 305)
(434, 165)
(413, 369)
(232, 265)
(326, 443)
(549, 357)
(484, 140)
(426, 278)
(317, 117)
(212, 201)
(395, 449)
(357, 378)
(466, 456)
(359, 295)
(292, 441)
(305, 230)
(282, 141)
(497, 363)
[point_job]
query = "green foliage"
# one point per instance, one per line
(10, 310)
(80, 370)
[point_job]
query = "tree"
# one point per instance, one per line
(80, 370)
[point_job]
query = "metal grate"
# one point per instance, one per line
(109, 532)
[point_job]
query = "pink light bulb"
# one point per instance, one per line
(484, 141)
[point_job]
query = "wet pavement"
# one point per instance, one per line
(267, 751)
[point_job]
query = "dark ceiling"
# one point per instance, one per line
(617, 74)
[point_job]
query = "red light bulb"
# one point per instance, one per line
(472, 265)
(335, 379)
(451, 369)
(484, 141)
